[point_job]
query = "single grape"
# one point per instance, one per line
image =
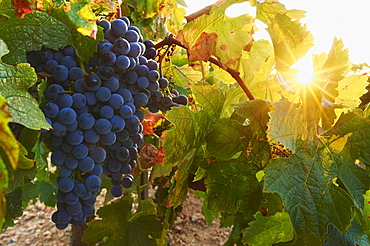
(93, 183)
(110, 35)
(126, 182)
(79, 100)
(123, 135)
(90, 98)
(116, 101)
(53, 90)
(149, 44)
(86, 164)
(79, 86)
(132, 36)
(51, 110)
(181, 99)
(112, 84)
(58, 158)
(103, 126)
(68, 61)
(64, 172)
(150, 53)
(108, 139)
(126, 168)
(106, 112)
(114, 165)
(108, 58)
(67, 116)
(92, 82)
(63, 100)
(60, 73)
(121, 46)
(153, 75)
(71, 198)
(88, 210)
(75, 73)
(103, 94)
(50, 65)
(122, 62)
(75, 138)
(118, 123)
(98, 154)
(66, 185)
(152, 65)
(125, 112)
(125, 19)
(122, 154)
(116, 191)
(69, 50)
(103, 48)
(135, 50)
(97, 170)
(104, 23)
(80, 151)
(105, 72)
(141, 99)
(71, 163)
(91, 136)
(166, 101)
(163, 83)
(119, 27)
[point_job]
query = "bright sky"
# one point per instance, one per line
(349, 20)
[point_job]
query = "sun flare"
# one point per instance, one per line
(304, 75)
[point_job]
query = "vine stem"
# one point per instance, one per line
(170, 40)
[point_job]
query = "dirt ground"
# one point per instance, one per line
(35, 228)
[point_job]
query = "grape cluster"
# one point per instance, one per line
(95, 114)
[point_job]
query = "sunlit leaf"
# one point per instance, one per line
(215, 34)
(290, 38)
(269, 230)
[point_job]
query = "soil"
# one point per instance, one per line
(35, 228)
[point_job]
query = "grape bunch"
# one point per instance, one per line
(96, 111)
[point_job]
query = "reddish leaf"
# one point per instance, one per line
(159, 156)
(147, 127)
(22, 7)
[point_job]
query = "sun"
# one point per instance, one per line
(304, 74)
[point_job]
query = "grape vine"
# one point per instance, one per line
(114, 93)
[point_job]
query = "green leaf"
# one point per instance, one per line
(14, 207)
(119, 226)
(21, 177)
(290, 125)
(41, 154)
(77, 15)
(216, 34)
(256, 65)
(39, 29)
(257, 113)
(23, 161)
(232, 185)
(353, 236)
(190, 128)
(268, 230)
(226, 138)
(15, 82)
(184, 75)
(211, 98)
(47, 191)
(291, 40)
(357, 128)
(180, 191)
(304, 182)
